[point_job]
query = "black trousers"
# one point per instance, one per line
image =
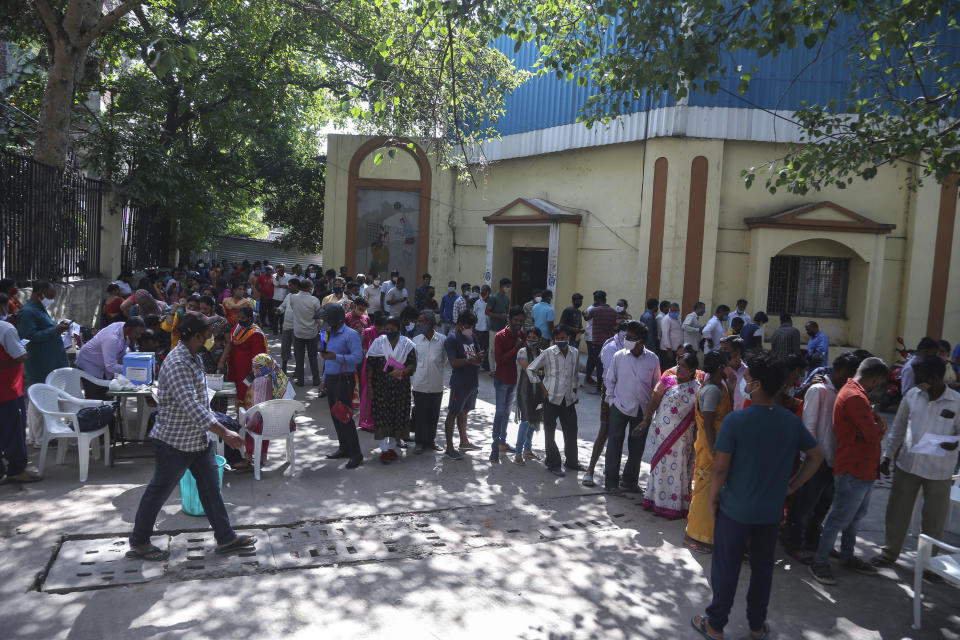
(593, 361)
(341, 388)
(310, 346)
(93, 391)
(483, 337)
(426, 417)
(567, 414)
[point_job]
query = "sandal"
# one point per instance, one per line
(764, 633)
(697, 547)
(242, 542)
(150, 554)
(700, 624)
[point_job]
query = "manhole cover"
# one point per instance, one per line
(98, 563)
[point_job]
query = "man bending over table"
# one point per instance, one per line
(181, 441)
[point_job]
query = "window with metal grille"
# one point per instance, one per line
(808, 286)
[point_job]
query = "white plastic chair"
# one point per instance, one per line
(944, 565)
(68, 379)
(57, 423)
(276, 415)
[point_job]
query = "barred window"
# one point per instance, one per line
(808, 286)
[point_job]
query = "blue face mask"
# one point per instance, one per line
(674, 314)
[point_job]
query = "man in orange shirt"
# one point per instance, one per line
(859, 431)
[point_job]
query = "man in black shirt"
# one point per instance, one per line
(572, 317)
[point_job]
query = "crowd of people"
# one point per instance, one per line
(748, 445)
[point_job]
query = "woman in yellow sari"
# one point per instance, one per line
(714, 402)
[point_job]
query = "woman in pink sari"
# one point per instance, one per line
(671, 436)
(366, 391)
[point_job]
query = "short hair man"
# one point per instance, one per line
(102, 355)
(752, 465)
(543, 314)
(926, 346)
(785, 340)
(464, 356)
(859, 433)
(506, 344)
(691, 324)
(818, 347)
(649, 318)
(736, 368)
(930, 407)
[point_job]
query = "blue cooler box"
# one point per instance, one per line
(138, 367)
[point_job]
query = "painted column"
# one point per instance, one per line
(552, 255)
(874, 293)
(488, 264)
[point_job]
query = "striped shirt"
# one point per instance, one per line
(184, 415)
(604, 323)
(559, 374)
(919, 415)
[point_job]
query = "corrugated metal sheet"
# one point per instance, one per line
(781, 83)
(238, 249)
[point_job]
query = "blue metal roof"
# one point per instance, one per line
(783, 82)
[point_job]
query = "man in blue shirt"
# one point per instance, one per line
(752, 332)
(755, 450)
(341, 352)
(543, 313)
(446, 307)
(818, 347)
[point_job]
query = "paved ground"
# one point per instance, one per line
(440, 549)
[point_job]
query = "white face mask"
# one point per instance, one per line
(376, 283)
(410, 326)
(538, 299)
(47, 302)
(629, 344)
(619, 309)
(4, 316)
(467, 333)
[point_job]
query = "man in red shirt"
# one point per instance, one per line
(859, 431)
(267, 303)
(13, 410)
(506, 343)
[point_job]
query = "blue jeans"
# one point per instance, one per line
(504, 393)
(168, 468)
(730, 540)
(851, 499)
(524, 437)
(13, 436)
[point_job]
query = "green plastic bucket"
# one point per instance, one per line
(189, 497)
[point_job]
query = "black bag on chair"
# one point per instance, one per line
(94, 418)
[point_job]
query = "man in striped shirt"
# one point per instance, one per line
(182, 440)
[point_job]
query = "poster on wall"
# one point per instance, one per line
(387, 232)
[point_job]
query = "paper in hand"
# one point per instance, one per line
(930, 444)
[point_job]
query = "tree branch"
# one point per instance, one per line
(329, 15)
(106, 23)
(49, 17)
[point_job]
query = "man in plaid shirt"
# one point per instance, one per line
(182, 440)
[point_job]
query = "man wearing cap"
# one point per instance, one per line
(341, 352)
(182, 440)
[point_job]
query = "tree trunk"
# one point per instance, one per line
(55, 111)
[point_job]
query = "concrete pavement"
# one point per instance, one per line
(620, 573)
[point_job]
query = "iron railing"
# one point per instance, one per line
(49, 220)
(145, 238)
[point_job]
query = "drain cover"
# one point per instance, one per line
(91, 564)
(193, 556)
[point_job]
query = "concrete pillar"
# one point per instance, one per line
(552, 254)
(488, 261)
(111, 236)
(874, 293)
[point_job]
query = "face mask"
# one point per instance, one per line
(563, 346)
(619, 309)
(313, 276)
(338, 290)
(701, 312)
(376, 283)
(208, 345)
(392, 335)
(533, 343)
(674, 314)
(538, 299)
(747, 393)
(47, 302)
(200, 265)
(474, 295)
(452, 289)
(629, 344)
(423, 328)
(466, 333)
(410, 326)
(3, 316)
(249, 291)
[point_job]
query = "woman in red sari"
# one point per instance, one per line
(246, 341)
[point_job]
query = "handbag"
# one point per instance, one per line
(95, 418)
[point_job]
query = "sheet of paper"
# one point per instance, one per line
(930, 444)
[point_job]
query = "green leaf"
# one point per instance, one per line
(378, 158)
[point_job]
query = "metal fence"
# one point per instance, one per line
(145, 238)
(49, 220)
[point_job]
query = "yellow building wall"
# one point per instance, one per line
(613, 188)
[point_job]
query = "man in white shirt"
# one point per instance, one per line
(286, 329)
(739, 312)
(629, 380)
(691, 325)
(372, 293)
(559, 386)
(671, 335)
(714, 330)
(427, 383)
(811, 502)
(482, 330)
(736, 368)
(930, 408)
(304, 306)
(396, 299)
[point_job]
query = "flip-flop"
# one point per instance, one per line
(150, 554)
(242, 542)
(700, 624)
(763, 636)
